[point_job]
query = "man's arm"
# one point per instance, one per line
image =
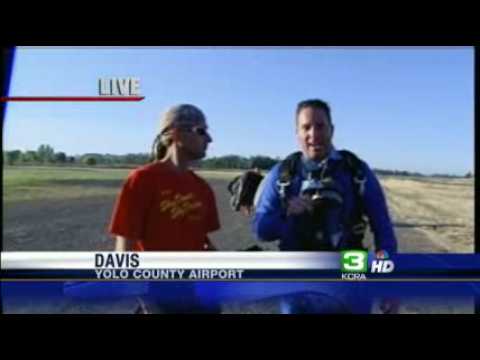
(123, 244)
(269, 223)
(377, 211)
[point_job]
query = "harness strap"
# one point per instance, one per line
(288, 168)
(357, 222)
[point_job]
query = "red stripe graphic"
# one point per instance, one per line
(72, 98)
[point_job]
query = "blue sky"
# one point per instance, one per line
(398, 108)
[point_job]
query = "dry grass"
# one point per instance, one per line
(441, 210)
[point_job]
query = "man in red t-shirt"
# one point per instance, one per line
(164, 205)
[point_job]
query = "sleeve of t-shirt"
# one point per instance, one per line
(133, 203)
(212, 222)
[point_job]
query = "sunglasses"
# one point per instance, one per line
(197, 130)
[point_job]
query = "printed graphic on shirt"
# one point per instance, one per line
(180, 206)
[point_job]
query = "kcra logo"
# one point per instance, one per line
(354, 264)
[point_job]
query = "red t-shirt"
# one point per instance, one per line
(160, 209)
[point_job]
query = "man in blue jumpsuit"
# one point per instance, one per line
(283, 213)
(286, 211)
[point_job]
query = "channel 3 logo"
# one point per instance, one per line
(356, 261)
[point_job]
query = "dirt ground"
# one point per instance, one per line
(430, 216)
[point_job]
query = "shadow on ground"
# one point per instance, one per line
(419, 225)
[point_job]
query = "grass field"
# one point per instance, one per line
(440, 211)
(54, 183)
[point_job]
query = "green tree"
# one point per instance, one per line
(98, 158)
(262, 162)
(29, 156)
(45, 153)
(60, 157)
(11, 157)
(90, 161)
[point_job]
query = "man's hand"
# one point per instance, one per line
(389, 306)
(380, 254)
(123, 244)
(246, 210)
(209, 246)
(299, 205)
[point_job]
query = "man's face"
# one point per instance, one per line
(314, 133)
(194, 140)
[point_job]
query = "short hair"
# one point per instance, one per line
(316, 104)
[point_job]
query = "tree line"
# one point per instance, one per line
(239, 162)
(45, 154)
